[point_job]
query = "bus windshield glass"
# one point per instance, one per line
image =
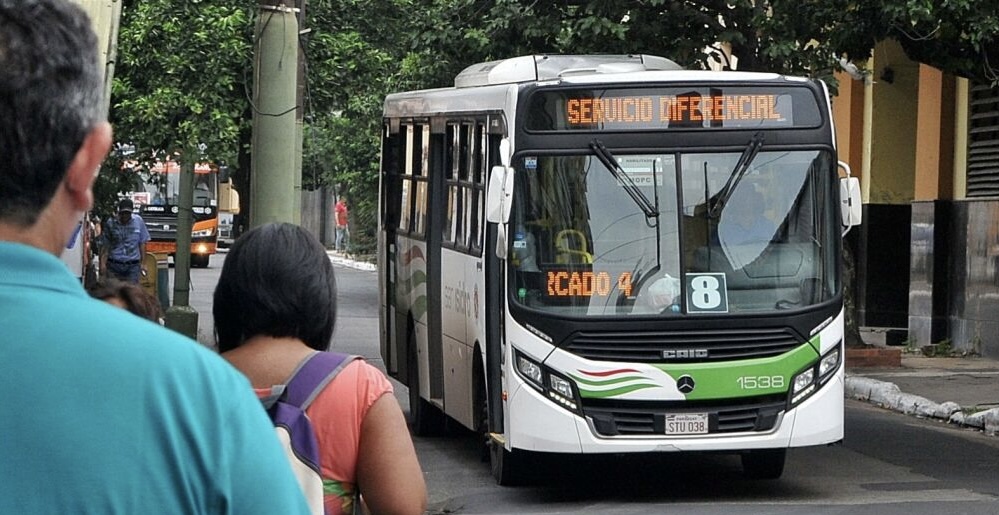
(583, 246)
(157, 188)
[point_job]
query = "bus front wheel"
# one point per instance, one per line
(508, 467)
(763, 463)
(199, 260)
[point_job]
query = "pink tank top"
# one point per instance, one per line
(336, 415)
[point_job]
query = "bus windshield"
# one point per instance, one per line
(583, 246)
(160, 186)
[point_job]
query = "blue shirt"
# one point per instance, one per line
(124, 239)
(105, 412)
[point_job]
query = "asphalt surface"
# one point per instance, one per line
(960, 390)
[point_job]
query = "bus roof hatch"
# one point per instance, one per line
(544, 67)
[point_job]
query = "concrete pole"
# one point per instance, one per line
(272, 167)
(181, 317)
(299, 115)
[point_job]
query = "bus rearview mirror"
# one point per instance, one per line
(850, 203)
(499, 196)
(504, 151)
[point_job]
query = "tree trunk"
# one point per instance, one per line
(851, 334)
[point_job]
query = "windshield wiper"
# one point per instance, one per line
(615, 169)
(738, 172)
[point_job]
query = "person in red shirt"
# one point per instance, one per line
(342, 232)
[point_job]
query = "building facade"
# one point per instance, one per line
(926, 147)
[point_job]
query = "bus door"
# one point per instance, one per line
(427, 180)
(390, 337)
(416, 273)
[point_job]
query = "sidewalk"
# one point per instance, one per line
(960, 390)
(347, 260)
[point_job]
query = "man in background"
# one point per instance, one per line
(104, 412)
(124, 251)
(342, 232)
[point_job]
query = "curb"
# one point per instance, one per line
(888, 395)
(344, 260)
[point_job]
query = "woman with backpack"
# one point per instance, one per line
(274, 308)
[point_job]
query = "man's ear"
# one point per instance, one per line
(83, 169)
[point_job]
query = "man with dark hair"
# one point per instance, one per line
(124, 252)
(136, 418)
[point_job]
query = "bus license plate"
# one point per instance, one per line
(687, 424)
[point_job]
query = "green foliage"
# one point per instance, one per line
(184, 66)
(957, 36)
(179, 82)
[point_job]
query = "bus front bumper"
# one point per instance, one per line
(546, 427)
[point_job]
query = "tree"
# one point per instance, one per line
(957, 36)
(432, 40)
(175, 97)
(180, 80)
(184, 67)
(353, 63)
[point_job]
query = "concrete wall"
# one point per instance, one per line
(317, 215)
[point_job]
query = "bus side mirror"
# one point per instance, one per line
(499, 197)
(851, 205)
(498, 202)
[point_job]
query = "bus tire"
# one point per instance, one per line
(424, 418)
(763, 463)
(508, 467)
(199, 260)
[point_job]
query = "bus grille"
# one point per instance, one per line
(160, 228)
(683, 346)
(620, 418)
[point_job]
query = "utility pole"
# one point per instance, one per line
(300, 112)
(273, 155)
(180, 316)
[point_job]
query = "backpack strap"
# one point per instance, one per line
(312, 375)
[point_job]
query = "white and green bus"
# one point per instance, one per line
(610, 254)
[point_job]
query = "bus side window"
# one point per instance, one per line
(391, 193)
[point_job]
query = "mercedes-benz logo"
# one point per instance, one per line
(685, 384)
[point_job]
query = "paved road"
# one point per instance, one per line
(888, 464)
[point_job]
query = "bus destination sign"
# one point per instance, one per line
(671, 108)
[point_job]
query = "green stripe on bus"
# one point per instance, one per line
(606, 382)
(745, 378)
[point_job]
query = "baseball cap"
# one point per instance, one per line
(125, 205)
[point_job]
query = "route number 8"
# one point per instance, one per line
(707, 292)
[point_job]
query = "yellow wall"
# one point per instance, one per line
(893, 126)
(848, 116)
(934, 135)
(961, 138)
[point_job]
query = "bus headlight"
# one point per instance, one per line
(556, 387)
(808, 381)
(829, 364)
(530, 370)
(560, 386)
